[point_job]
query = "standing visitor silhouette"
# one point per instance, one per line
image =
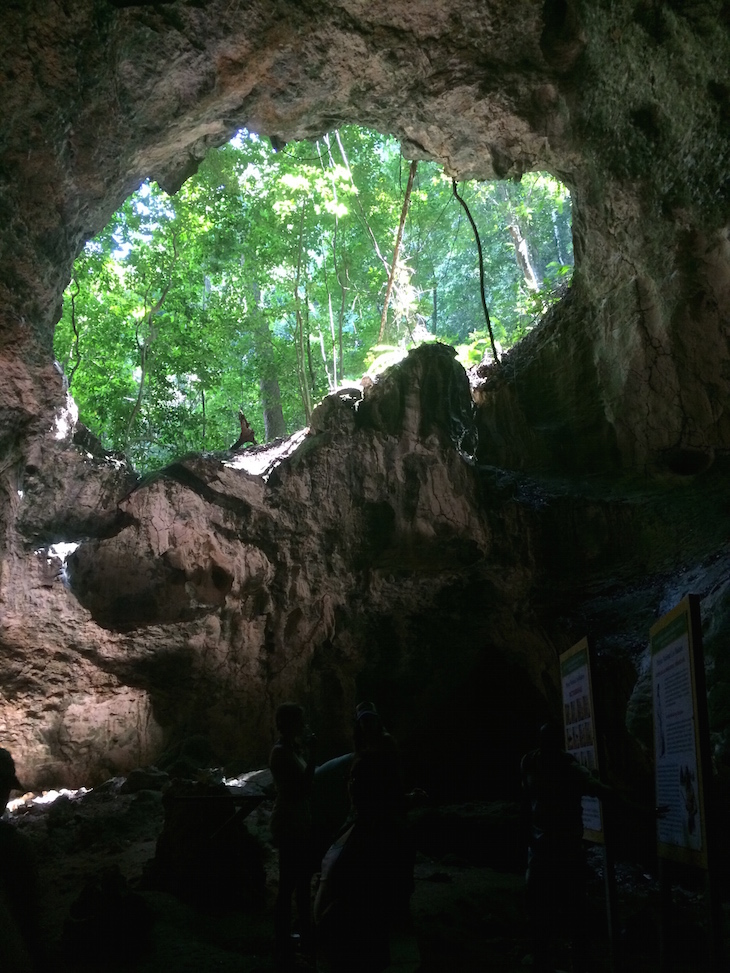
(292, 767)
(554, 783)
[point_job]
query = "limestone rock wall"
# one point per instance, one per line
(404, 547)
(361, 563)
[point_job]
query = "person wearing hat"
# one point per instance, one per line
(20, 947)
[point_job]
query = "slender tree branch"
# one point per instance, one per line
(396, 251)
(330, 383)
(359, 204)
(301, 370)
(333, 381)
(481, 270)
(310, 363)
(202, 397)
(75, 347)
(337, 350)
(340, 326)
(333, 336)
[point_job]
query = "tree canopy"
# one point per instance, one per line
(269, 279)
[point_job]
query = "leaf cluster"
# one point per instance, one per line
(260, 286)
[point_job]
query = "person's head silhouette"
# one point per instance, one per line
(551, 738)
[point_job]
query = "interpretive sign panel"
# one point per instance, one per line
(676, 661)
(580, 726)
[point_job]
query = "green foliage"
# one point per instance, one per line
(260, 287)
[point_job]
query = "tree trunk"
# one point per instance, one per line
(310, 363)
(396, 251)
(337, 353)
(304, 388)
(522, 256)
(143, 351)
(556, 235)
(202, 399)
(274, 425)
(340, 324)
(333, 336)
(522, 247)
(147, 340)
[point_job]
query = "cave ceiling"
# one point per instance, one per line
(602, 440)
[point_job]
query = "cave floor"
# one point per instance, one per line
(467, 918)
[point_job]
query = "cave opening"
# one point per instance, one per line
(628, 379)
(281, 272)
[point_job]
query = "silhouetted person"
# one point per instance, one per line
(371, 738)
(292, 766)
(360, 875)
(20, 942)
(331, 805)
(554, 783)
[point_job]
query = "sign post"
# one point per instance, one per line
(582, 741)
(682, 755)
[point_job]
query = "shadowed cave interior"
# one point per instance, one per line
(425, 545)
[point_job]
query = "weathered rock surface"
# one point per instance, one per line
(404, 549)
(219, 593)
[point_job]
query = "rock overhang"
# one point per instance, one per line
(628, 105)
